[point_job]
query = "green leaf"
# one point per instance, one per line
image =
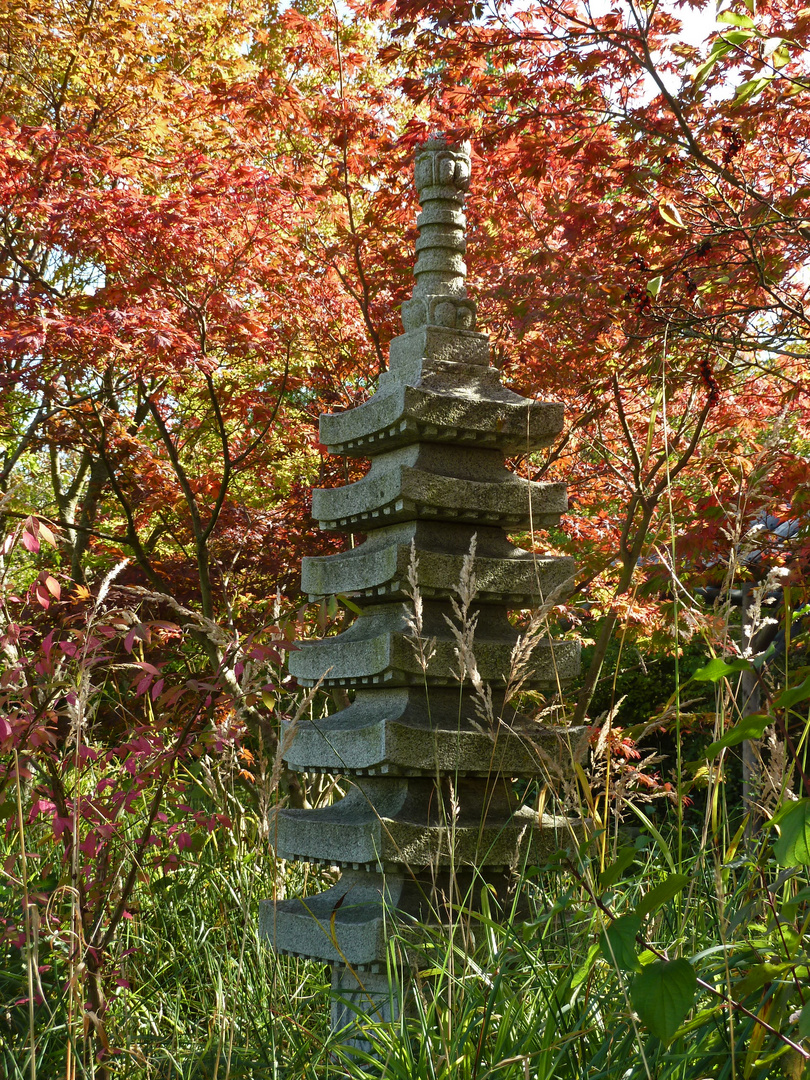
(662, 994)
(790, 697)
(757, 977)
(781, 58)
(697, 1022)
(662, 892)
(790, 908)
(718, 669)
(611, 874)
(654, 285)
(618, 943)
(793, 846)
(750, 727)
(804, 1022)
(737, 37)
(731, 18)
(583, 972)
(751, 89)
(648, 825)
(783, 811)
(720, 48)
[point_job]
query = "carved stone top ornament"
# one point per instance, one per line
(442, 176)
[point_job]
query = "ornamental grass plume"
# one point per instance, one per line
(424, 649)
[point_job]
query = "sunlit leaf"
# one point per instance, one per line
(781, 57)
(750, 727)
(582, 973)
(751, 89)
(46, 534)
(661, 893)
(720, 48)
(671, 214)
(718, 669)
(617, 943)
(738, 37)
(662, 994)
(732, 18)
(758, 976)
(794, 694)
(793, 846)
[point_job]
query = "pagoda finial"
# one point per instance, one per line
(442, 177)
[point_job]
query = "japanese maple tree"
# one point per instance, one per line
(640, 249)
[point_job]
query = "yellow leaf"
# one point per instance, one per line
(586, 788)
(671, 214)
(46, 534)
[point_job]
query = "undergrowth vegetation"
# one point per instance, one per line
(193, 993)
(666, 938)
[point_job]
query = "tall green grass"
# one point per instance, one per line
(196, 995)
(200, 996)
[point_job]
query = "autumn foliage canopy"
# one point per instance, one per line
(206, 228)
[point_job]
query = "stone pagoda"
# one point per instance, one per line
(430, 814)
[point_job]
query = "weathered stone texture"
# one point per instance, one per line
(430, 811)
(407, 414)
(399, 732)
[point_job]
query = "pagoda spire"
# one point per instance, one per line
(442, 178)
